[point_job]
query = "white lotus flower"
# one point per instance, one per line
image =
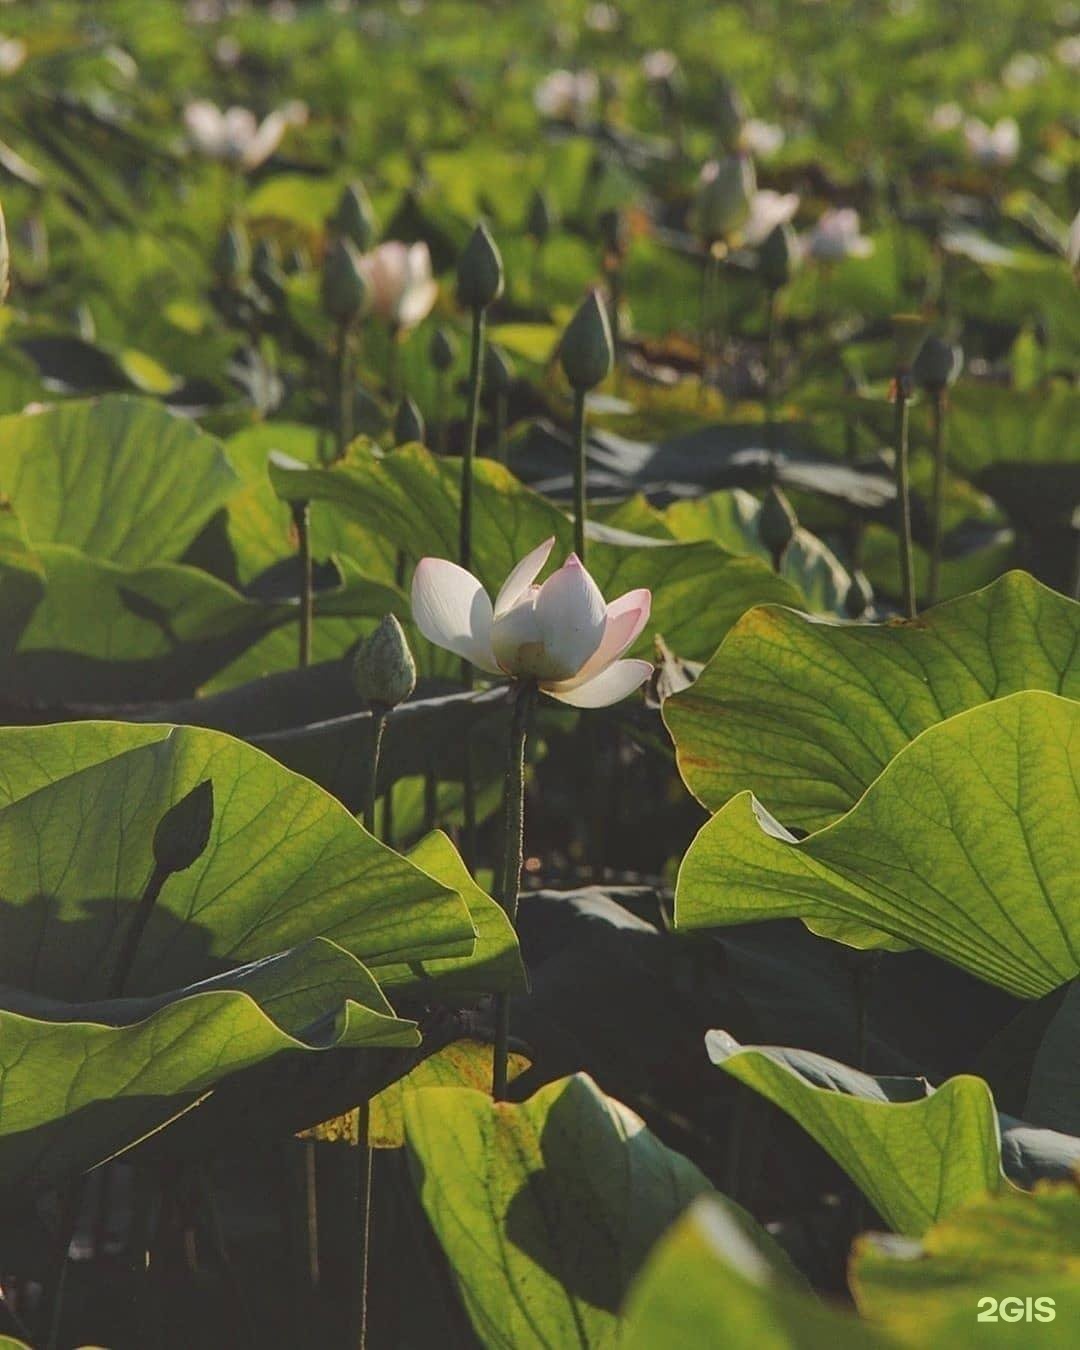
(400, 283)
(659, 65)
(761, 138)
(561, 633)
(234, 135)
(767, 210)
(993, 147)
(836, 236)
(566, 95)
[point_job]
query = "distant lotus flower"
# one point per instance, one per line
(1023, 70)
(993, 147)
(235, 136)
(836, 236)
(401, 286)
(760, 138)
(1072, 243)
(567, 96)
(602, 18)
(561, 633)
(1067, 51)
(946, 117)
(12, 55)
(659, 65)
(767, 210)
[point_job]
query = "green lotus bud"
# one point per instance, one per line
(779, 256)
(730, 114)
(232, 254)
(344, 291)
(5, 257)
(479, 271)
(354, 217)
(383, 669)
(409, 423)
(858, 596)
(909, 332)
(541, 218)
(725, 192)
(777, 524)
(442, 349)
(614, 231)
(586, 350)
(498, 370)
(937, 364)
(184, 830)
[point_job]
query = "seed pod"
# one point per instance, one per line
(479, 271)
(409, 423)
(726, 190)
(540, 219)
(344, 291)
(232, 255)
(586, 350)
(184, 830)
(777, 524)
(442, 349)
(937, 364)
(779, 256)
(383, 669)
(354, 217)
(498, 370)
(858, 596)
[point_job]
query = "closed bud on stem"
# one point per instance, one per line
(779, 257)
(184, 830)
(586, 350)
(937, 364)
(498, 370)
(442, 349)
(730, 114)
(725, 193)
(5, 258)
(858, 596)
(540, 219)
(232, 254)
(354, 217)
(409, 423)
(479, 271)
(383, 669)
(909, 331)
(344, 291)
(777, 524)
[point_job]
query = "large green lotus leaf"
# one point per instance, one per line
(990, 425)
(1053, 1096)
(962, 846)
(710, 1278)
(80, 1081)
(1009, 1246)
(806, 714)
(545, 1210)
(285, 862)
(915, 1152)
(119, 478)
(411, 498)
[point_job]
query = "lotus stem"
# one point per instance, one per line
(301, 513)
(903, 496)
(442, 402)
(343, 389)
(379, 713)
(937, 438)
(580, 471)
(126, 958)
(502, 402)
(476, 379)
(513, 855)
(770, 352)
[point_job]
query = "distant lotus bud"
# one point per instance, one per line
(586, 351)
(937, 364)
(858, 596)
(779, 256)
(383, 670)
(479, 271)
(184, 830)
(725, 195)
(909, 332)
(498, 370)
(5, 257)
(344, 291)
(354, 217)
(614, 231)
(409, 423)
(442, 349)
(232, 254)
(777, 524)
(730, 114)
(540, 219)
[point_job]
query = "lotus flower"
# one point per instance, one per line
(567, 96)
(993, 147)
(560, 634)
(836, 236)
(234, 135)
(400, 283)
(760, 138)
(767, 210)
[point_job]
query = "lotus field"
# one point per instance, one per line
(539, 675)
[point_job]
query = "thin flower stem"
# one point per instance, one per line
(476, 378)
(126, 958)
(343, 386)
(302, 520)
(770, 352)
(371, 789)
(513, 854)
(580, 474)
(903, 497)
(937, 437)
(501, 411)
(431, 800)
(442, 400)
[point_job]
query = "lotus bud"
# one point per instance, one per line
(479, 271)
(498, 370)
(354, 217)
(725, 194)
(232, 254)
(184, 830)
(383, 669)
(5, 258)
(909, 332)
(858, 596)
(541, 218)
(937, 364)
(779, 256)
(777, 524)
(442, 349)
(409, 423)
(344, 291)
(586, 350)
(731, 113)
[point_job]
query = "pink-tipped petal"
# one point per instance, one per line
(452, 609)
(522, 576)
(611, 685)
(572, 616)
(626, 617)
